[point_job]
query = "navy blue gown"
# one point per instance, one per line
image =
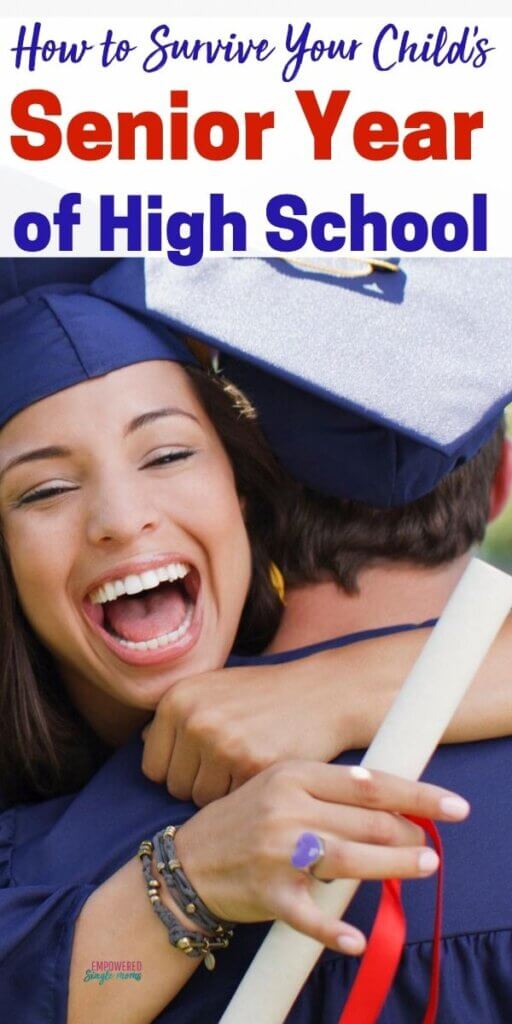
(54, 854)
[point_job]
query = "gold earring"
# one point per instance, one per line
(277, 580)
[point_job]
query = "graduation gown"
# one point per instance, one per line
(55, 853)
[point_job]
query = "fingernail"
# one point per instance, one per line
(358, 772)
(349, 943)
(455, 807)
(428, 861)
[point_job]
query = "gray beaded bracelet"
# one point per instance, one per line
(180, 887)
(193, 944)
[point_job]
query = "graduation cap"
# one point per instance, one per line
(20, 274)
(57, 334)
(372, 379)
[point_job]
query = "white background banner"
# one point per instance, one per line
(411, 117)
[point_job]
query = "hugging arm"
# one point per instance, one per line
(212, 732)
(236, 852)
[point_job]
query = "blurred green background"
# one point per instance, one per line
(497, 546)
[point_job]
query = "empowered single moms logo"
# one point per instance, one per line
(101, 971)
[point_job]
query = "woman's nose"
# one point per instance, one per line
(121, 516)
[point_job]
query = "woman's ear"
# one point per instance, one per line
(502, 483)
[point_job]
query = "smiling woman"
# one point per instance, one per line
(121, 504)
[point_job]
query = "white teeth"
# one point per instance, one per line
(177, 571)
(149, 580)
(135, 584)
(161, 641)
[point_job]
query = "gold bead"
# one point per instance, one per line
(209, 961)
(184, 944)
(154, 898)
(190, 908)
(154, 883)
(160, 866)
(170, 831)
(173, 865)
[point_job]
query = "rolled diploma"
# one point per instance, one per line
(403, 745)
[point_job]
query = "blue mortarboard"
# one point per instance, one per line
(20, 274)
(373, 380)
(57, 335)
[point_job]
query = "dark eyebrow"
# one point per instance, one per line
(156, 414)
(56, 452)
(50, 452)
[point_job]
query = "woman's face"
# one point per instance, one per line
(124, 532)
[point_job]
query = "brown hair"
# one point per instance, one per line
(336, 539)
(46, 748)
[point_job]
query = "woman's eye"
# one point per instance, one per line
(166, 458)
(42, 494)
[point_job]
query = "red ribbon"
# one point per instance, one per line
(385, 946)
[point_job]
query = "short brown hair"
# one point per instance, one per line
(46, 748)
(336, 539)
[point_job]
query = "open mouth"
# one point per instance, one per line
(147, 616)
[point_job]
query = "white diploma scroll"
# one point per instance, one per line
(404, 744)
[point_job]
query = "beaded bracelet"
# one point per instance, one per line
(191, 943)
(181, 889)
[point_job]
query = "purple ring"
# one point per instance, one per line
(309, 850)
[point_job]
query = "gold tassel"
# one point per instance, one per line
(277, 580)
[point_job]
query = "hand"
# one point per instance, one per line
(212, 732)
(237, 850)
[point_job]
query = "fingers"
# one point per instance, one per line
(158, 747)
(300, 912)
(212, 782)
(364, 826)
(345, 859)
(182, 770)
(381, 791)
(235, 783)
(172, 758)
